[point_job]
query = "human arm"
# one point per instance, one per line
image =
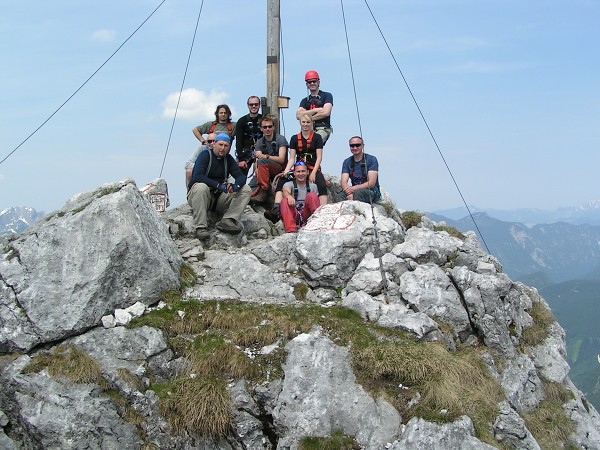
(313, 174)
(199, 172)
(320, 113)
(198, 135)
(287, 195)
(291, 160)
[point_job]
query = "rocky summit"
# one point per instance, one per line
(369, 328)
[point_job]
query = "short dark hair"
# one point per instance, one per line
(253, 96)
(227, 108)
(357, 137)
(269, 118)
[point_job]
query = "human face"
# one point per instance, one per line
(300, 172)
(356, 146)
(305, 124)
(210, 140)
(267, 129)
(253, 105)
(221, 148)
(313, 85)
(223, 116)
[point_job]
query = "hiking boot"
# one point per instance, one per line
(229, 226)
(202, 234)
(274, 215)
(259, 195)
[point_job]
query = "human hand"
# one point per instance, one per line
(291, 201)
(242, 165)
(222, 187)
(235, 187)
(312, 177)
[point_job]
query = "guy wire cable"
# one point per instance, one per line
(429, 129)
(84, 83)
(377, 251)
(181, 89)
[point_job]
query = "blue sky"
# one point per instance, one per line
(510, 89)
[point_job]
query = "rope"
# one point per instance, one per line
(84, 83)
(377, 253)
(428, 129)
(181, 89)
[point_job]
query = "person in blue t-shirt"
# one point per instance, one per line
(362, 171)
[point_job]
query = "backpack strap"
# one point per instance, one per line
(363, 168)
(212, 127)
(295, 189)
(210, 160)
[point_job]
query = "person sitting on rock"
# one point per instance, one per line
(209, 190)
(362, 171)
(189, 164)
(300, 199)
(271, 156)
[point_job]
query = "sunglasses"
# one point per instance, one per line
(210, 141)
(253, 104)
(299, 163)
(312, 81)
(355, 145)
(267, 126)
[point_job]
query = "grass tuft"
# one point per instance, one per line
(197, 404)
(187, 276)
(71, 363)
(337, 441)
(300, 291)
(548, 423)
(450, 230)
(538, 332)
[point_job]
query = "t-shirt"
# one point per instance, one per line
(358, 175)
(301, 191)
(308, 155)
(267, 147)
(318, 101)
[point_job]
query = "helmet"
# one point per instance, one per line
(311, 75)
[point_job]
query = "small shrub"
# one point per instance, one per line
(411, 219)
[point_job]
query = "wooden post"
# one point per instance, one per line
(273, 52)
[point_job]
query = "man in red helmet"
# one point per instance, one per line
(318, 104)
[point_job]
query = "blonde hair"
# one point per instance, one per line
(308, 116)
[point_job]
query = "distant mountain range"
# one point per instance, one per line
(588, 213)
(546, 253)
(18, 218)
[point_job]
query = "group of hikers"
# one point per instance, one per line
(216, 181)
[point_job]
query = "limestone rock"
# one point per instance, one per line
(104, 250)
(320, 396)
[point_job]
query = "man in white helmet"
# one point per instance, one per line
(318, 104)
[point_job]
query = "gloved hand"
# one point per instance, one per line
(235, 187)
(222, 187)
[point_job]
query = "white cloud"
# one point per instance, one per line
(194, 104)
(104, 35)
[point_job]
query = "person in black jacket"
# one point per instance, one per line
(247, 132)
(209, 189)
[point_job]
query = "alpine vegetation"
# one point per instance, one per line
(369, 328)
